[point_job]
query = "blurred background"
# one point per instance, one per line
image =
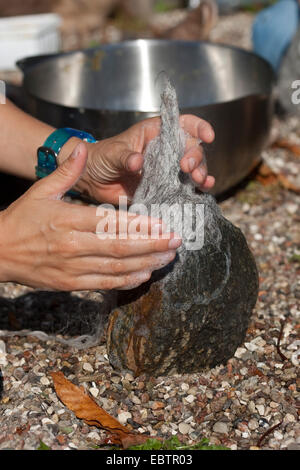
(87, 23)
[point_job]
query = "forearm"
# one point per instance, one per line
(21, 135)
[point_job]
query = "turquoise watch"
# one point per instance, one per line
(47, 154)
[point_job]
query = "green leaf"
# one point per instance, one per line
(174, 444)
(43, 446)
(150, 444)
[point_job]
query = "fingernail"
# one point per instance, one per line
(76, 151)
(175, 243)
(192, 163)
(165, 258)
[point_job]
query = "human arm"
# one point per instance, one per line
(113, 165)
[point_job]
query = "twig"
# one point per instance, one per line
(283, 357)
(267, 433)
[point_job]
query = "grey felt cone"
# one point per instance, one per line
(193, 313)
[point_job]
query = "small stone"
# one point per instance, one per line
(136, 400)
(246, 207)
(47, 421)
(273, 404)
(220, 427)
(253, 424)
(87, 367)
(260, 409)
(44, 380)
(2, 347)
(129, 377)
(239, 352)
(292, 208)
(94, 391)
(145, 397)
(61, 439)
(157, 405)
(124, 416)
(278, 435)
(190, 398)
(184, 387)
(115, 379)
(251, 406)
(72, 445)
(184, 428)
(18, 373)
(289, 418)
(243, 427)
(94, 436)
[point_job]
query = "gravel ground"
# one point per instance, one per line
(234, 404)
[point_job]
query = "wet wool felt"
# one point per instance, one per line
(193, 313)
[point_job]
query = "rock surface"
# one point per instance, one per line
(193, 313)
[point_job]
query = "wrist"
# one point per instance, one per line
(67, 149)
(57, 148)
(82, 184)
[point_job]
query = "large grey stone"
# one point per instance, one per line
(193, 313)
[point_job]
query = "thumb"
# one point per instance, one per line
(130, 161)
(66, 175)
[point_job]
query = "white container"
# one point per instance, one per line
(28, 35)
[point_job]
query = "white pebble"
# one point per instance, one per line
(124, 416)
(260, 409)
(184, 428)
(73, 446)
(93, 435)
(44, 380)
(190, 398)
(258, 236)
(289, 418)
(185, 387)
(239, 352)
(94, 391)
(47, 421)
(292, 208)
(253, 424)
(246, 207)
(129, 377)
(220, 427)
(87, 366)
(2, 347)
(3, 360)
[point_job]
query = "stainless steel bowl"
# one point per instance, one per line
(106, 89)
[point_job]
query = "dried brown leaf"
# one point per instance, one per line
(78, 401)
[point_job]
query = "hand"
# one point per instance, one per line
(114, 164)
(48, 243)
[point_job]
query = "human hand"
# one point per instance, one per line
(48, 243)
(114, 165)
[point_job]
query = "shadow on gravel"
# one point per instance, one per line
(54, 312)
